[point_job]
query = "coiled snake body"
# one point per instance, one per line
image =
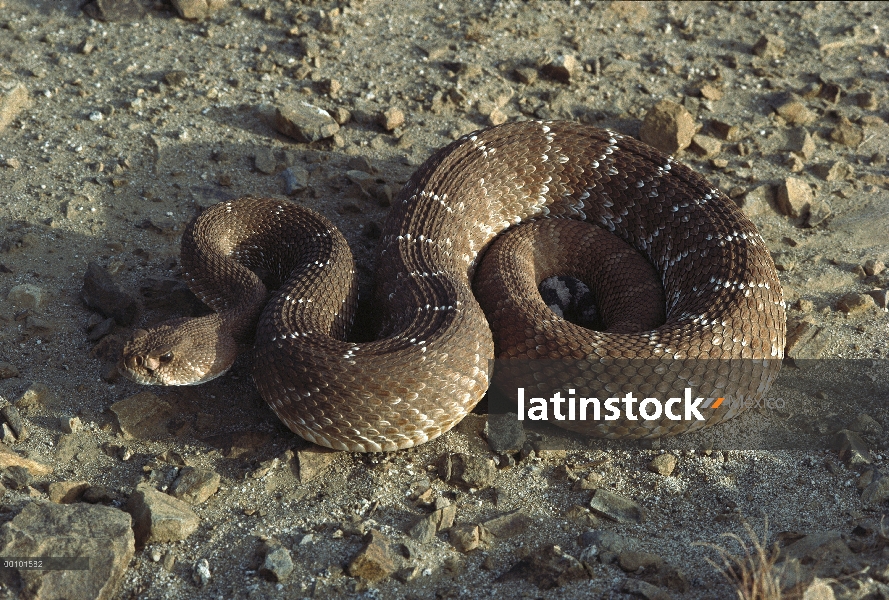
(718, 308)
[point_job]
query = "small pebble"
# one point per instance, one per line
(70, 424)
(201, 572)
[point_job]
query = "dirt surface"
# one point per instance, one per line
(131, 128)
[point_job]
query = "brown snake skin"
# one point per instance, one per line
(718, 308)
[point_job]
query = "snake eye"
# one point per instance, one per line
(165, 358)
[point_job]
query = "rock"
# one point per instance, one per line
(176, 78)
(158, 517)
(168, 294)
(823, 554)
(727, 131)
(873, 267)
(795, 112)
(847, 133)
(801, 142)
(820, 589)
(66, 492)
(581, 515)
(393, 118)
(200, 572)
(838, 171)
(70, 424)
(561, 68)
(312, 461)
(264, 160)
(711, 92)
(17, 477)
(866, 424)
(867, 100)
(851, 449)
(8, 370)
(197, 9)
(507, 525)
(296, 179)
(16, 422)
(526, 75)
(876, 492)
(97, 534)
(852, 303)
(100, 293)
(881, 297)
(794, 197)
(278, 565)
(832, 92)
(547, 568)
(819, 211)
(497, 117)
(607, 544)
(631, 561)
(195, 486)
(706, 145)
(505, 433)
(616, 507)
(38, 395)
(467, 470)
(8, 459)
(98, 494)
(653, 569)
(425, 530)
(590, 482)
(769, 47)
(142, 416)
(6, 435)
(27, 297)
(757, 200)
(118, 11)
(304, 122)
(362, 179)
(668, 126)
(805, 339)
(374, 562)
(637, 587)
(663, 464)
(465, 537)
(13, 98)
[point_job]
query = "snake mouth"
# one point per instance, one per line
(147, 371)
(132, 368)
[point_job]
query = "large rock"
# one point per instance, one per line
(467, 470)
(304, 122)
(100, 293)
(197, 9)
(195, 486)
(375, 561)
(13, 98)
(101, 534)
(668, 126)
(142, 416)
(121, 11)
(8, 458)
(547, 568)
(158, 517)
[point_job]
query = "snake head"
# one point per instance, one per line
(176, 353)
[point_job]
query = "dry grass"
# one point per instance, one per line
(753, 573)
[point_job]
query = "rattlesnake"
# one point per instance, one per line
(718, 300)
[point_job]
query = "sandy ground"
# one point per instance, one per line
(131, 128)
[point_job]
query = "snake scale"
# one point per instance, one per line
(563, 191)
